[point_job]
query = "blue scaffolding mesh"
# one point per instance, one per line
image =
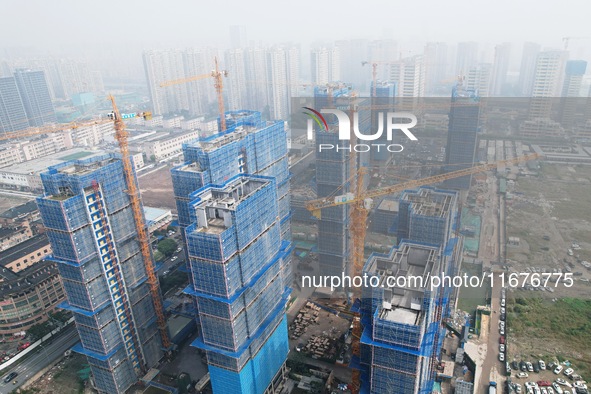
(400, 338)
(88, 218)
(256, 375)
(238, 258)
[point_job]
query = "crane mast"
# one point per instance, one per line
(360, 202)
(121, 136)
(217, 75)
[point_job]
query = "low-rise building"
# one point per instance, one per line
(138, 160)
(25, 254)
(27, 211)
(166, 145)
(13, 235)
(28, 298)
(25, 176)
(157, 218)
(173, 122)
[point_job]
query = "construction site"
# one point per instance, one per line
(254, 218)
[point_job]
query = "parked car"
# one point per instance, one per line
(544, 383)
(568, 372)
(515, 365)
(522, 375)
(542, 364)
(501, 339)
(530, 367)
(502, 348)
(502, 302)
(501, 356)
(557, 388)
(523, 366)
(563, 382)
(558, 369)
(536, 367)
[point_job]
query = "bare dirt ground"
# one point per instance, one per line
(156, 189)
(548, 214)
(62, 378)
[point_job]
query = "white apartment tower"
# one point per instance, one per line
(161, 66)
(527, 70)
(283, 73)
(409, 74)
(478, 79)
(325, 65)
(500, 68)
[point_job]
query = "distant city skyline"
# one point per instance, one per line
(121, 23)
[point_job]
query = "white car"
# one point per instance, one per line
(503, 302)
(563, 382)
(544, 391)
(523, 375)
(530, 366)
(542, 364)
(550, 390)
(174, 258)
(568, 372)
(580, 384)
(557, 388)
(501, 356)
(502, 348)
(557, 370)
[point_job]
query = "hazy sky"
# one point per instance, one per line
(149, 23)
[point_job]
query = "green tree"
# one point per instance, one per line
(61, 316)
(174, 279)
(158, 256)
(167, 247)
(38, 331)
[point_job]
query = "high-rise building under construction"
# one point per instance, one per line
(462, 134)
(233, 203)
(89, 222)
(402, 326)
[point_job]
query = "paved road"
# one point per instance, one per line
(493, 216)
(35, 362)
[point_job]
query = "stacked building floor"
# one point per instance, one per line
(90, 225)
(232, 195)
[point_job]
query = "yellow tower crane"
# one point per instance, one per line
(217, 75)
(361, 202)
(33, 131)
(121, 136)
